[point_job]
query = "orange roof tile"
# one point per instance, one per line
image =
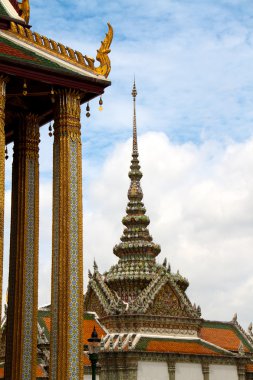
(86, 360)
(88, 326)
(180, 347)
(39, 372)
(223, 337)
(47, 321)
(249, 368)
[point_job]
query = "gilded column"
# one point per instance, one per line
(67, 259)
(2, 176)
(21, 335)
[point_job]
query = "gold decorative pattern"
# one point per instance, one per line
(66, 53)
(25, 8)
(21, 335)
(2, 175)
(67, 258)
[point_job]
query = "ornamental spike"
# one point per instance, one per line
(136, 240)
(135, 145)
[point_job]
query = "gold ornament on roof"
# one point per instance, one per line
(25, 9)
(66, 53)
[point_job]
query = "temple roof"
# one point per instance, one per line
(228, 335)
(15, 29)
(36, 47)
(179, 346)
(9, 9)
(41, 65)
(138, 287)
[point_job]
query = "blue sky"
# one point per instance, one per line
(193, 65)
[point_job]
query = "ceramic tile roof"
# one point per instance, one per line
(249, 368)
(88, 324)
(225, 335)
(16, 53)
(183, 346)
(3, 11)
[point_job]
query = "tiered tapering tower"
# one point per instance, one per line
(151, 329)
(137, 294)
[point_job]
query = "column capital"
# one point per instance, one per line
(171, 366)
(205, 368)
(68, 113)
(27, 135)
(241, 369)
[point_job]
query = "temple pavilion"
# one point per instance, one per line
(150, 329)
(42, 80)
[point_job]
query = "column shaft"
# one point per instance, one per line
(67, 257)
(205, 371)
(172, 370)
(21, 334)
(2, 176)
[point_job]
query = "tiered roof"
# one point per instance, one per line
(144, 305)
(137, 287)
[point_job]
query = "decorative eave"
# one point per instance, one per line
(11, 10)
(67, 54)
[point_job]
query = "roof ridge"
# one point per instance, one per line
(66, 53)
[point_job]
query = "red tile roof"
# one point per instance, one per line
(184, 347)
(249, 368)
(224, 335)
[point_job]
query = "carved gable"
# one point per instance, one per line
(167, 303)
(92, 303)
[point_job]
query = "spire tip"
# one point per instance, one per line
(134, 91)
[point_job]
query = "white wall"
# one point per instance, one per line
(189, 371)
(223, 372)
(89, 377)
(153, 371)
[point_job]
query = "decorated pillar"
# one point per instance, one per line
(66, 342)
(21, 334)
(241, 371)
(205, 371)
(2, 176)
(172, 370)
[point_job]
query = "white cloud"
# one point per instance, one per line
(199, 199)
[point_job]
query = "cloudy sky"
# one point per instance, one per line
(193, 63)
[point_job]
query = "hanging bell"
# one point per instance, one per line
(50, 130)
(6, 153)
(100, 104)
(24, 88)
(52, 93)
(88, 110)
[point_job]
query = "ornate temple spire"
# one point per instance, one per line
(136, 241)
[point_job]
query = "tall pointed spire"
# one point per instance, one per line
(136, 242)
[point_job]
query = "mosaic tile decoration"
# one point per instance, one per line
(73, 262)
(55, 266)
(29, 275)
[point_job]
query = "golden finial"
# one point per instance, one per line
(25, 8)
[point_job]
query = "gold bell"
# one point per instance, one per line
(100, 104)
(88, 110)
(24, 88)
